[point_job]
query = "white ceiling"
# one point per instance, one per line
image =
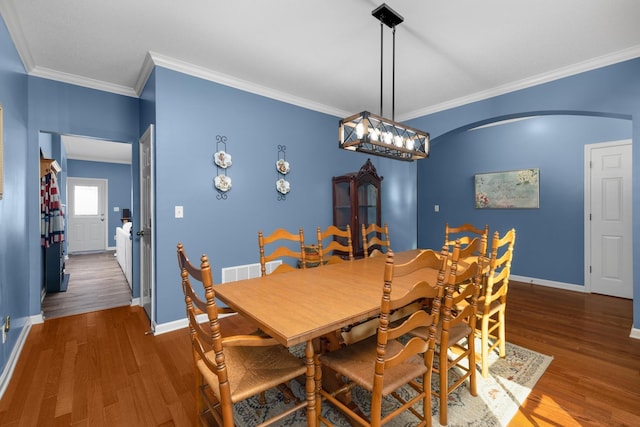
(325, 55)
(81, 148)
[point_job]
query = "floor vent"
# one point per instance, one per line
(248, 271)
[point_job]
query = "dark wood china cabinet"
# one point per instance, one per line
(356, 201)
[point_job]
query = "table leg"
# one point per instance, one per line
(312, 415)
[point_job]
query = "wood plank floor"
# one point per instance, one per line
(96, 282)
(100, 369)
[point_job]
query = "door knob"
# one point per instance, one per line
(140, 233)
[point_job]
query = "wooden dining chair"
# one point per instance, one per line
(384, 363)
(455, 345)
(367, 328)
(375, 239)
(291, 247)
(466, 233)
(234, 368)
(338, 248)
(492, 304)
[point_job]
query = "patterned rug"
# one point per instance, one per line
(499, 396)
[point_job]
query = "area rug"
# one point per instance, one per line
(499, 396)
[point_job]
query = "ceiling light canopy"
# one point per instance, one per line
(374, 134)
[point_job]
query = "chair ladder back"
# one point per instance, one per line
(340, 242)
(466, 233)
(284, 236)
(500, 268)
(380, 239)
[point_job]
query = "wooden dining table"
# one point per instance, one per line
(303, 305)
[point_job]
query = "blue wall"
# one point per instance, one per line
(555, 145)
(14, 250)
(190, 112)
(611, 91)
(62, 108)
(119, 187)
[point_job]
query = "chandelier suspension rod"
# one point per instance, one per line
(393, 78)
(381, 65)
(393, 72)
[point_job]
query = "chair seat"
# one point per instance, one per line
(252, 370)
(357, 362)
(456, 333)
(493, 307)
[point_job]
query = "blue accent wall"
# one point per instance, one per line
(554, 145)
(119, 187)
(190, 112)
(15, 268)
(62, 108)
(611, 91)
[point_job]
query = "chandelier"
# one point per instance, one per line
(374, 134)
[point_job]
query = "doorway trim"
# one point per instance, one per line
(588, 238)
(146, 221)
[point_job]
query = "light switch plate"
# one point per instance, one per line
(436, 208)
(179, 212)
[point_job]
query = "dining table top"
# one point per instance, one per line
(301, 305)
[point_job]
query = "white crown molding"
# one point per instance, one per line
(155, 59)
(15, 30)
(145, 73)
(591, 64)
(206, 74)
(73, 79)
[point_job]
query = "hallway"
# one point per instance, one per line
(96, 282)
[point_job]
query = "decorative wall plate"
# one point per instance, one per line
(283, 186)
(222, 182)
(283, 166)
(222, 159)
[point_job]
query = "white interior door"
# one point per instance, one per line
(147, 280)
(608, 238)
(87, 225)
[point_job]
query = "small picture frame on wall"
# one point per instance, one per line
(517, 189)
(1, 156)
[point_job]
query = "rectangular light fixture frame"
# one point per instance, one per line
(369, 133)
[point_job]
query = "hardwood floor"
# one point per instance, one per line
(96, 282)
(100, 369)
(594, 378)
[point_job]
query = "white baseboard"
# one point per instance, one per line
(163, 328)
(548, 283)
(135, 302)
(7, 373)
(635, 333)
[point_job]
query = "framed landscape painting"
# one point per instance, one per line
(517, 189)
